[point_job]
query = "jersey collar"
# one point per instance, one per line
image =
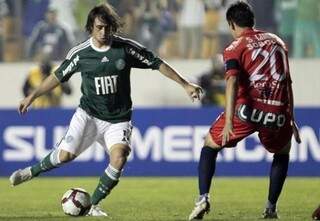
(247, 31)
(98, 49)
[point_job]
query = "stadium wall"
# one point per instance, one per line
(165, 142)
(150, 88)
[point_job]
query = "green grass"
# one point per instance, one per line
(157, 199)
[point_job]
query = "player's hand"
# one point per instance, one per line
(194, 91)
(24, 104)
(295, 130)
(226, 133)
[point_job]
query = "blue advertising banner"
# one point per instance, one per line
(165, 142)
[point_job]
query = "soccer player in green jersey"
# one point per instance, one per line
(104, 62)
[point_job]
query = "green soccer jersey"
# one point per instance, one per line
(106, 90)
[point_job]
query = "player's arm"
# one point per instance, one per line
(231, 88)
(62, 74)
(47, 85)
(140, 57)
(291, 106)
(194, 91)
(231, 57)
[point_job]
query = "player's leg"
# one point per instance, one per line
(278, 174)
(110, 178)
(50, 162)
(208, 156)
(206, 169)
(117, 140)
(279, 143)
(184, 42)
(79, 134)
(53, 160)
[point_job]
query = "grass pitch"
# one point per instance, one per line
(157, 199)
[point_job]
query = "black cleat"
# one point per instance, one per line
(270, 214)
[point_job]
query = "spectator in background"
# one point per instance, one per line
(48, 37)
(126, 11)
(169, 10)
(265, 11)
(33, 12)
(65, 16)
(210, 30)
(213, 83)
(191, 25)
(167, 20)
(4, 11)
(285, 16)
(148, 30)
(306, 36)
(35, 76)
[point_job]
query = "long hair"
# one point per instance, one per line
(105, 13)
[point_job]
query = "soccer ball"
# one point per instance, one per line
(76, 202)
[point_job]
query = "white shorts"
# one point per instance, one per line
(84, 130)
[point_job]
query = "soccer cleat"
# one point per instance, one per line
(95, 210)
(201, 207)
(270, 214)
(316, 214)
(20, 176)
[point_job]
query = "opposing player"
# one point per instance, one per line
(258, 99)
(104, 62)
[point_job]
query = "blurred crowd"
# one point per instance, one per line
(190, 29)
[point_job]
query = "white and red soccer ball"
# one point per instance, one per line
(76, 202)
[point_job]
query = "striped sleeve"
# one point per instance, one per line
(71, 63)
(78, 48)
(137, 55)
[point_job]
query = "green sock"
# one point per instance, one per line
(44, 165)
(106, 184)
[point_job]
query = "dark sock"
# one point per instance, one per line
(44, 165)
(278, 174)
(106, 183)
(206, 168)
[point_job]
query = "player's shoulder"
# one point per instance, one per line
(235, 47)
(269, 35)
(76, 49)
(278, 39)
(118, 41)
